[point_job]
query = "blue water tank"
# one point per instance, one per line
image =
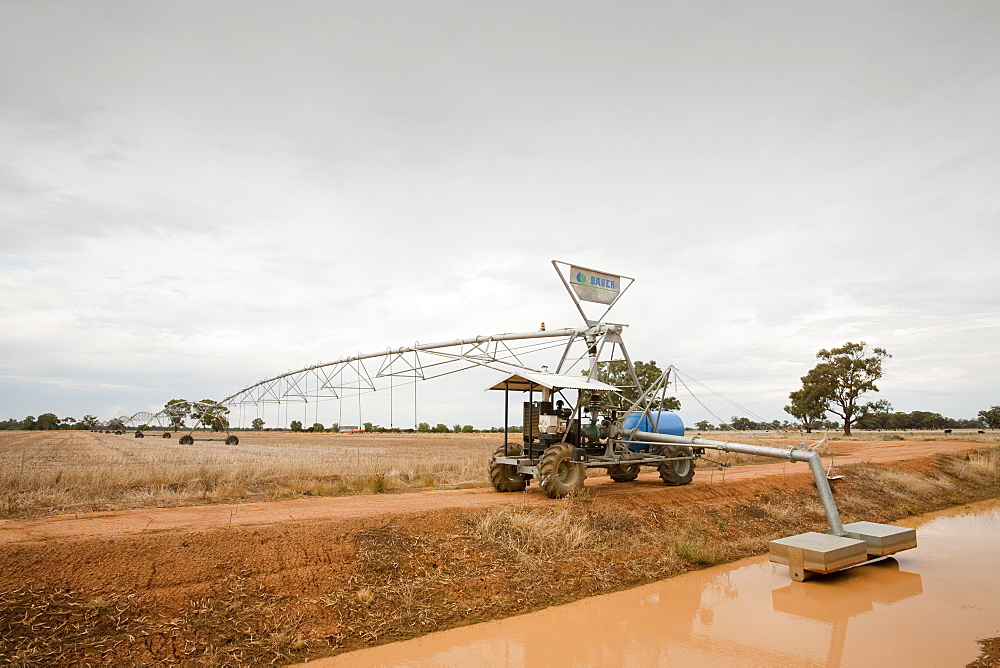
(664, 422)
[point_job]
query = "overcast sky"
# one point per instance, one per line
(195, 196)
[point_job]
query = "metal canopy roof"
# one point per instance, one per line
(525, 381)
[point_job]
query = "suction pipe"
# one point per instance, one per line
(791, 454)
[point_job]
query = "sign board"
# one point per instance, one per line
(594, 286)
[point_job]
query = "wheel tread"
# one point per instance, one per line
(557, 486)
(502, 476)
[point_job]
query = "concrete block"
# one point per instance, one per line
(882, 539)
(814, 552)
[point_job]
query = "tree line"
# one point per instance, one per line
(876, 421)
(422, 428)
(746, 424)
(840, 384)
(214, 417)
(50, 421)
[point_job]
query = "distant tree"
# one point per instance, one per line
(991, 418)
(456, 428)
(368, 426)
(616, 373)
(843, 377)
(211, 414)
(883, 419)
(467, 429)
(177, 410)
(898, 420)
(808, 405)
(317, 426)
(257, 424)
(927, 420)
(876, 419)
(441, 428)
(295, 425)
(89, 422)
(28, 422)
(47, 421)
(335, 427)
(423, 427)
(116, 424)
(704, 425)
(741, 423)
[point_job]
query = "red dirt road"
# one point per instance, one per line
(708, 484)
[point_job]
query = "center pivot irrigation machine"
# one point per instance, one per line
(574, 419)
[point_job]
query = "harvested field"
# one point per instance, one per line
(76, 471)
(53, 472)
(295, 579)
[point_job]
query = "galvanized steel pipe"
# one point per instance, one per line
(791, 454)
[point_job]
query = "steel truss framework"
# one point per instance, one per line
(364, 373)
(397, 367)
(392, 368)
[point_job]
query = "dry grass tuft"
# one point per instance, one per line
(979, 467)
(986, 464)
(897, 481)
(365, 596)
(532, 534)
(696, 551)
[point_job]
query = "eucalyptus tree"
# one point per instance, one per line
(844, 377)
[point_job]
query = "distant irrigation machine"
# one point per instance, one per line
(210, 415)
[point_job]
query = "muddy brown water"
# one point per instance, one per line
(925, 607)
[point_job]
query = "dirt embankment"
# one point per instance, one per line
(268, 590)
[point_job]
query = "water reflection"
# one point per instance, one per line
(927, 606)
(838, 597)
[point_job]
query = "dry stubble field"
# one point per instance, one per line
(51, 472)
(43, 472)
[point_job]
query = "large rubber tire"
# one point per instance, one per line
(679, 472)
(166, 434)
(187, 439)
(505, 477)
(624, 473)
(139, 434)
(232, 440)
(560, 475)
